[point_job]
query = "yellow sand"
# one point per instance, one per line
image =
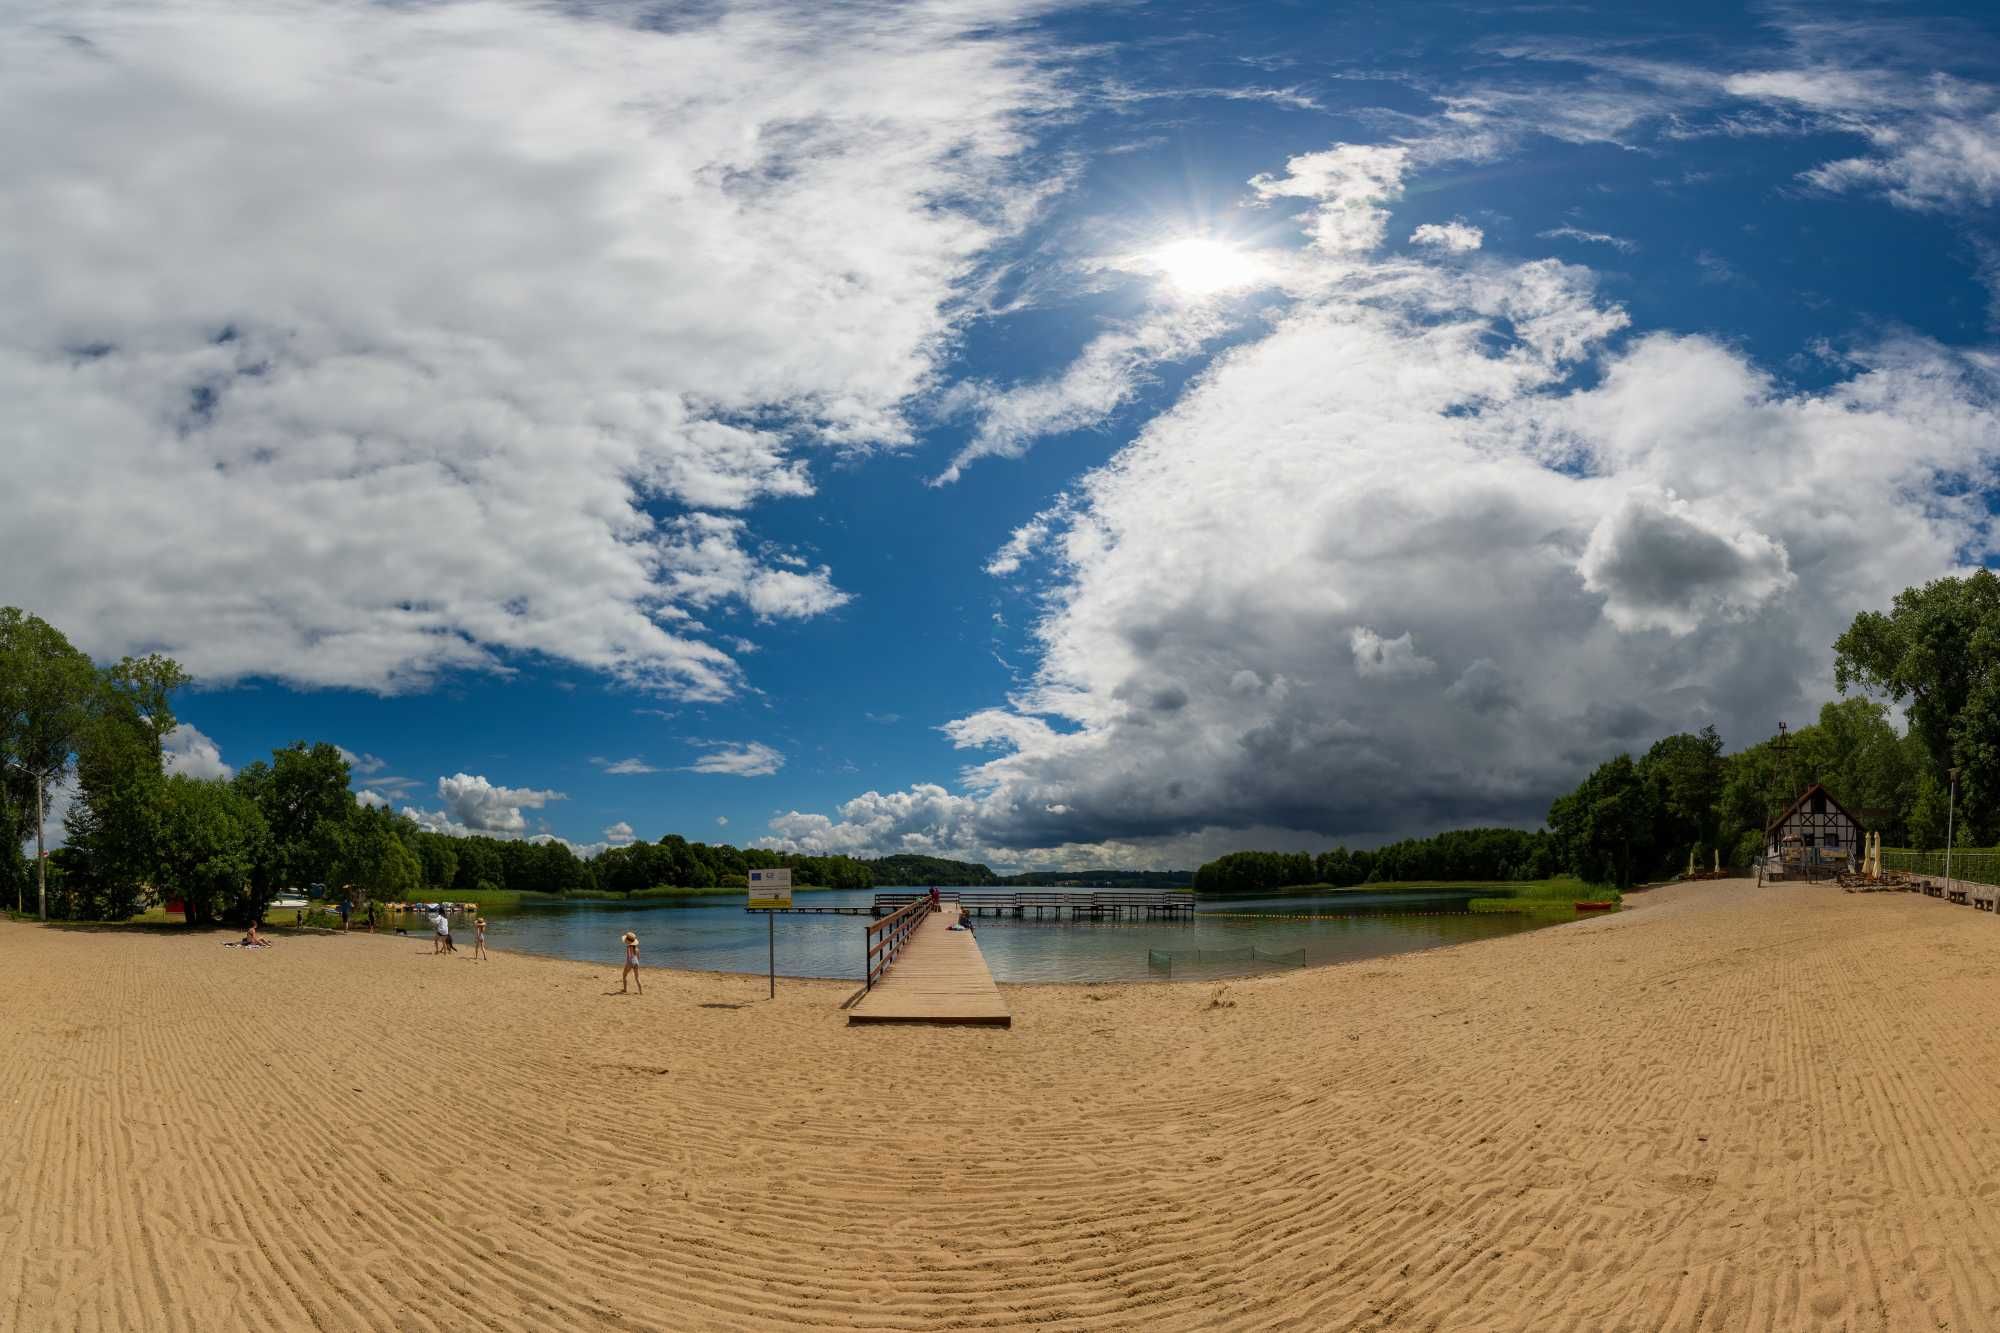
(1731, 1108)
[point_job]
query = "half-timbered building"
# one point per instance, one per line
(1814, 830)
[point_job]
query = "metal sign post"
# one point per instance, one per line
(770, 893)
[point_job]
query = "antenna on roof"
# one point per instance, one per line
(1782, 747)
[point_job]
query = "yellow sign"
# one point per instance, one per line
(770, 889)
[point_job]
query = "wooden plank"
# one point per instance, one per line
(940, 977)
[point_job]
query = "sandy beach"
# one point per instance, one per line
(1727, 1108)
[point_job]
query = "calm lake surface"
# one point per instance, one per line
(716, 934)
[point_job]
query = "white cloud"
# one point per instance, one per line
(1662, 563)
(471, 804)
(625, 767)
(368, 798)
(705, 563)
(722, 821)
(751, 759)
(1378, 658)
(1105, 376)
(1350, 184)
(1821, 89)
(926, 819)
(1933, 162)
(1457, 235)
(1025, 541)
(413, 317)
(363, 765)
(1571, 233)
(618, 834)
(1585, 561)
(186, 750)
(583, 850)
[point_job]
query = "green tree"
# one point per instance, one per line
(374, 861)
(1936, 651)
(49, 694)
(479, 866)
(439, 859)
(1605, 828)
(303, 794)
(1687, 774)
(115, 822)
(212, 839)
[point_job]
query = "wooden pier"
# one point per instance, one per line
(923, 971)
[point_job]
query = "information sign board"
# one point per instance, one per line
(770, 889)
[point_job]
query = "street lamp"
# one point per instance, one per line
(1950, 809)
(41, 856)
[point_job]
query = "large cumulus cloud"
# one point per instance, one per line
(1399, 565)
(472, 804)
(348, 342)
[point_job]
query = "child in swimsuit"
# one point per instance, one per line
(631, 971)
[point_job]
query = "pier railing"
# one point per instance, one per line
(887, 937)
(1078, 905)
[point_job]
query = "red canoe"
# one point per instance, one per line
(1595, 907)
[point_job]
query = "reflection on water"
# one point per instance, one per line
(716, 934)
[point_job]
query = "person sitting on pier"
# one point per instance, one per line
(963, 923)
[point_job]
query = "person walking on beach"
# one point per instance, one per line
(631, 972)
(345, 908)
(479, 939)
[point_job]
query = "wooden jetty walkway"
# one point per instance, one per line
(922, 971)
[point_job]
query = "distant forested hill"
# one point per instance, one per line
(904, 870)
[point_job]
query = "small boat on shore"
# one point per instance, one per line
(1594, 906)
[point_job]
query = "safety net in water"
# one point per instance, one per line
(1218, 962)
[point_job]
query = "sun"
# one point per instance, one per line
(1200, 266)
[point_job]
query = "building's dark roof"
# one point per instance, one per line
(1805, 796)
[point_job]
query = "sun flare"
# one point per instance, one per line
(1200, 266)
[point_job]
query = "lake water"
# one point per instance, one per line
(716, 934)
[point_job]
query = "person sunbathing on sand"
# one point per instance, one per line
(631, 971)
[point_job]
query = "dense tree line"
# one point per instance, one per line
(674, 862)
(1469, 855)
